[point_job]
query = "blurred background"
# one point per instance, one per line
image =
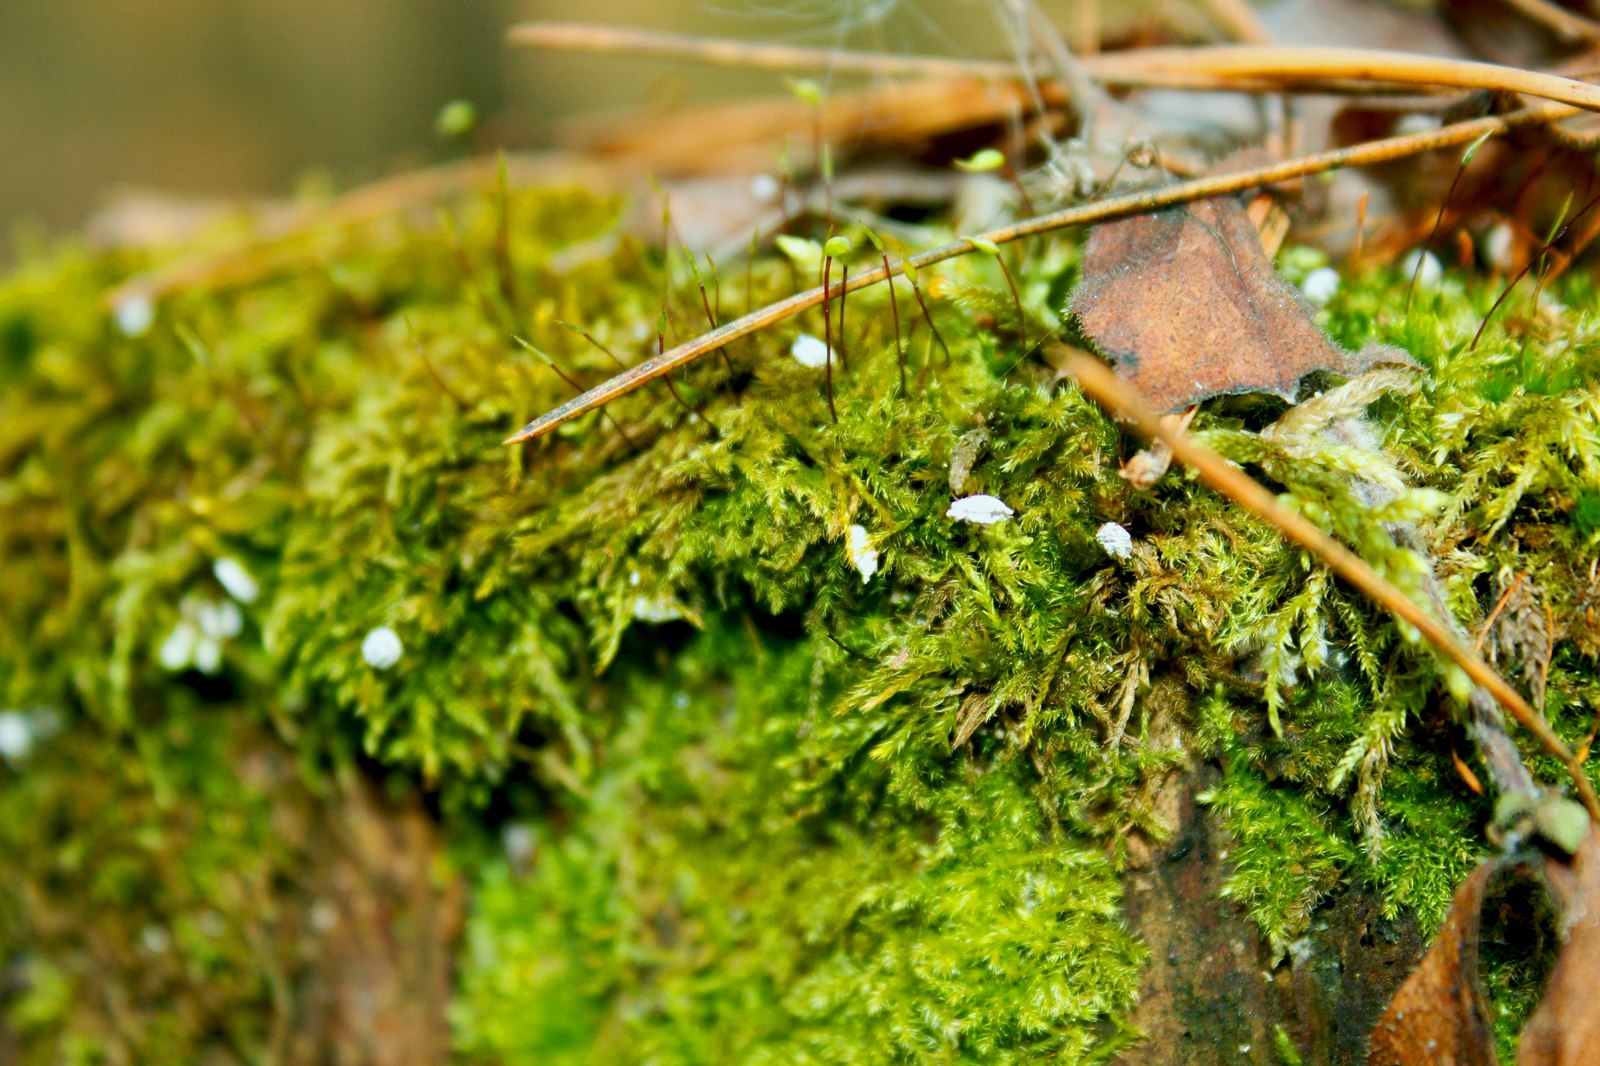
(249, 98)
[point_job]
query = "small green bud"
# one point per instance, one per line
(838, 246)
(982, 161)
(983, 244)
(1563, 822)
(456, 119)
(806, 90)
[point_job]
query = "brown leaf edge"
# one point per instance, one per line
(1565, 1028)
(1442, 1015)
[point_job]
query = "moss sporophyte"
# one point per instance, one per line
(812, 750)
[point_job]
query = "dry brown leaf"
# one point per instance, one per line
(1187, 305)
(1565, 1029)
(1441, 1013)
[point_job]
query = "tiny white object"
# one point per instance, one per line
(519, 843)
(324, 916)
(859, 550)
(1497, 246)
(16, 736)
(208, 656)
(656, 609)
(382, 648)
(135, 315)
(232, 576)
(177, 651)
(809, 351)
(155, 939)
(219, 620)
(1321, 285)
(1430, 273)
(764, 189)
(1117, 541)
(982, 510)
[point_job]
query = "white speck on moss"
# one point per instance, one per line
(1497, 246)
(135, 315)
(16, 736)
(155, 939)
(232, 576)
(859, 550)
(982, 510)
(382, 648)
(1321, 285)
(177, 651)
(656, 609)
(809, 351)
(764, 189)
(1117, 541)
(1429, 274)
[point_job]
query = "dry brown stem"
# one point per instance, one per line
(1105, 388)
(1231, 68)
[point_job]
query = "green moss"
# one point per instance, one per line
(756, 836)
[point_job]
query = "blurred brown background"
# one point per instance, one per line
(244, 98)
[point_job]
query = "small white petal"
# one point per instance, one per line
(809, 351)
(1321, 285)
(859, 550)
(16, 736)
(1431, 271)
(233, 577)
(382, 648)
(135, 315)
(208, 655)
(1116, 541)
(177, 651)
(984, 510)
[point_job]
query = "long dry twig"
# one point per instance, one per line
(1116, 207)
(1100, 383)
(1231, 68)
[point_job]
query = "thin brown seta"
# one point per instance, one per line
(1543, 251)
(894, 313)
(1115, 207)
(1102, 385)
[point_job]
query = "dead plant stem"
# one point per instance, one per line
(1100, 383)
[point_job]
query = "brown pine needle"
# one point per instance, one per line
(1101, 384)
(1379, 151)
(1233, 68)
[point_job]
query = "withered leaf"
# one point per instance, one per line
(1565, 1029)
(1441, 1013)
(1187, 306)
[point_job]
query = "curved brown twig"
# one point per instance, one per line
(1110, 392)
(1115, 207)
